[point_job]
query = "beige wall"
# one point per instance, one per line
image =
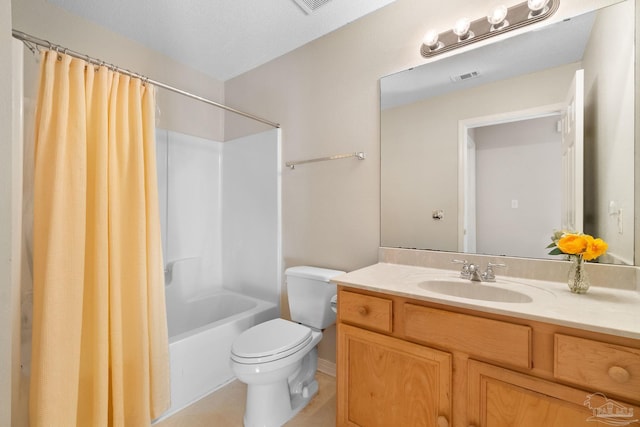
(325, 95)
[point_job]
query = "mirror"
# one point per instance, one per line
(480, 151)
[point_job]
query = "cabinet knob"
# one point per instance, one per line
(442, 421)
(619, 374)
(363, 309)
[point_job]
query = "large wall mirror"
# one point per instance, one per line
(492, 150)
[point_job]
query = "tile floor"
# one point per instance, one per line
(225, 408)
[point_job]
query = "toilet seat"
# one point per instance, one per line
(269, 341)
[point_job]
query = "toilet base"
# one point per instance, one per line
(265, 411)
(272, 405)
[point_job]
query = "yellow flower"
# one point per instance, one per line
(595, 248)
(582, 245)
(573, 244)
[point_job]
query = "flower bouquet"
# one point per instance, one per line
(578, 248)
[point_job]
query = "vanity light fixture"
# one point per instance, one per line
(499, 20)
(462, 29)
(537, 7)
(431, 40)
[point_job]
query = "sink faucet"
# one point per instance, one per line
(489, 275)
(472, 271)
(464, 272)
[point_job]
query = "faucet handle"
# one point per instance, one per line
(489, 275)
(465, 273)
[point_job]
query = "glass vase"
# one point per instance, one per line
(578, 277)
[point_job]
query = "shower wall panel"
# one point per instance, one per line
(251, 216)
(189, 185)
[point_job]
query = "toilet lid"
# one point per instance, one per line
(271, 340)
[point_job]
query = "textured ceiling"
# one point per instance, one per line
(222, 38)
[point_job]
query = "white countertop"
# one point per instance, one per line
(605, 310)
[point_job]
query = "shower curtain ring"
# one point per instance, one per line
(58, 56)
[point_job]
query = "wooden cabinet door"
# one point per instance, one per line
(384, 381)
(500, 398)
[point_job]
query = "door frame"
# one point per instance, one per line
(464, 126)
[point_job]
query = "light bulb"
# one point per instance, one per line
(431, 39)
(461, 29)
(537, 6)
(497, 17)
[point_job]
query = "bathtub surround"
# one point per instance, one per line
(220, 215)
(189, 192)
(252, 215)
(99, 321)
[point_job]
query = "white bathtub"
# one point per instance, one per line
(201, 332)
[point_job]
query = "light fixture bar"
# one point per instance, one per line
(517, 16)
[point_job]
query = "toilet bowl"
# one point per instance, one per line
(278, 359)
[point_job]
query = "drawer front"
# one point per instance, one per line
(365, 310)
(491, 339)
(598, 366)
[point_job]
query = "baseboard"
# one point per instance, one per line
(327, 367)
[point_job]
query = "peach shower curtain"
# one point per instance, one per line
(100, 346)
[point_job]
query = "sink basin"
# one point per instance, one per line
(474, 290)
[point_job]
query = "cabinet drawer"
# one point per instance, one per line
(364, 310)
(598, 366)
(491, 339)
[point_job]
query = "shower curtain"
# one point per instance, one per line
(100, 346)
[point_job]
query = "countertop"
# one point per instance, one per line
(604, 310)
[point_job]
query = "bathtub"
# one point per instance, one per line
(201, 332)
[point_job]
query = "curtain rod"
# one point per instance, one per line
(27, 38)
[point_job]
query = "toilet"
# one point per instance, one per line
(278, 359)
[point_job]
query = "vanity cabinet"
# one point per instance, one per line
(408, 362)
(501, 397)
(386, 381)
(391, 382)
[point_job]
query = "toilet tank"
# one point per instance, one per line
(309, 292)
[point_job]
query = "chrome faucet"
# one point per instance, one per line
(464, 272)
(472, 271)
(489, 275)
